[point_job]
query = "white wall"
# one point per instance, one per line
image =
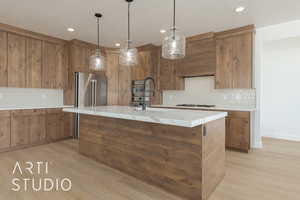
(281, 89)
(201, 90)
(30, 97)
(277, 65)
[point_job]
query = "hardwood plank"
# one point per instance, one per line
(248, 176)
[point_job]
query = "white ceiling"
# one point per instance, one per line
(53, 17)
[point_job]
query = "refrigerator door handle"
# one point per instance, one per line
(95, 92)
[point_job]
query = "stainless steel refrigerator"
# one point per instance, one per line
(90, 91)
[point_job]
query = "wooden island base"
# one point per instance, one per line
(183, 161)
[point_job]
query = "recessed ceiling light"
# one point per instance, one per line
(163, 31)
(117, 44)
(71, 29)
(240, 9)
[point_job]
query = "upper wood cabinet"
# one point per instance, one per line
(234, 52)
(200, 59)
(16, 60)
(33, 63)
(168, 75)
(3, 59)
(55, 66)
(4, 129)
(112, 74)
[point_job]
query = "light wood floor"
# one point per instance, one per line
(272, 173)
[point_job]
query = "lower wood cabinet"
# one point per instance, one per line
(27, 127)
(23, 128)
(4, 129)
(55, 124)
(238, 131)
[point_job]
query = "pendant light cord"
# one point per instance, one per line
(174, 14)
(128, 33)
(98, 33)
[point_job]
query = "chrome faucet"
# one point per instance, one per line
(144, 104)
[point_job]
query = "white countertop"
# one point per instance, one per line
(226, 108)
(176, 117)
(34, 107)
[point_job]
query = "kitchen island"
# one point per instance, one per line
(180, 151)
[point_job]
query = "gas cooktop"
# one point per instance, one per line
(196, 105)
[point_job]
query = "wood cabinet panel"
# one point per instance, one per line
(242, 62)
(239, 133)
(16, 61)
(49, 65)
(200, 59)
(112, 74)
(145, 66)
(33, 63)
(28, 127)
(168, 78)
(37, 128)
(54, 124)
(3, 59)
(69, 122)
(80, 55)
(4, 129)
(20, 134)
(54, 66)
(224, 73)
(125, 86)
(234, 52)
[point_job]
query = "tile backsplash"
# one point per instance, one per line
(201, 90)
(30, 97)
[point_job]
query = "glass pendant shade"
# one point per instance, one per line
(174, 44)
(97, 61)
(128, 56)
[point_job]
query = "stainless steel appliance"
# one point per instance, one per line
(90, 91)
(142, 91)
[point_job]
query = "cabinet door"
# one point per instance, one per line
(16, 61)
(239, 133)
(20, 134)
(33, 63)
(69, 122)
(112, 74)
(145, 66)
(80, 55)
(37, 127)
(61, 67)
(4, 129)
(54, 124)
(242, 61)
(125, 86)
(168, 76)
(49, 65)
(3, 59)
(224, 73)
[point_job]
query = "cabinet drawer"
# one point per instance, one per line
(54, 110)
(28, 112)
(239, 114)
(4, 113)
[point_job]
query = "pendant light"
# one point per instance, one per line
(173, 46)
(129, 54)
(97, 60)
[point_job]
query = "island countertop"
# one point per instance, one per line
(184, 118)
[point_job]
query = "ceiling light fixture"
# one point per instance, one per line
(173, 46)
(240, 9)
(129, 54)
(71, 29)
(163, 31)
(97, 60)
(117, 44)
